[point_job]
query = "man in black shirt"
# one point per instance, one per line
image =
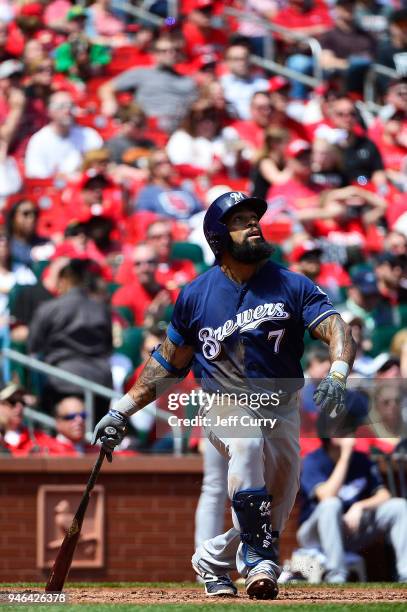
(362, 161)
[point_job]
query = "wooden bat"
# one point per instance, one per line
(65, 554)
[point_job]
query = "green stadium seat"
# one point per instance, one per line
(132, 343)
(381, 339)
(187, 250)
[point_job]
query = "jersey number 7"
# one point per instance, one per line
(277, 334)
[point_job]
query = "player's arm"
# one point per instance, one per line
(330, 394)
(167, 364)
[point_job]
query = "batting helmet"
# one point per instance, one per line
(216, 232)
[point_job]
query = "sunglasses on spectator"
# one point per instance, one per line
(159, 236)
(71, 416)
(149, 262)
(165, 49)
(29, 212)
(14, 401)
(62, 106)
(345, 113)
(262, 107)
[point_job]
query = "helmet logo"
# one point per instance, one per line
(237, 196)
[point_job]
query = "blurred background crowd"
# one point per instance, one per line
(121, 122)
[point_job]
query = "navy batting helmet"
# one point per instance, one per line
(216, 232)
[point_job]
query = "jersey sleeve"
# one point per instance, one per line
(316, 305)
(179, 330)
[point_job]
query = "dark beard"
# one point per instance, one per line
(250, 252)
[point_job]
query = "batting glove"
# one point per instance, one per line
(110, 430)
(330, 394)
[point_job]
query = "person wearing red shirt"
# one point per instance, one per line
(172, 272)
(330, 276)
(70, 419)
(297, 197)
(199, 35)
(143, 294)
(307, 19)
(18, 439)
(390, 137)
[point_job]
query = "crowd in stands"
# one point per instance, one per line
(117, 133)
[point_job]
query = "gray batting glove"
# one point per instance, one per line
(110, 430)
(330, 394)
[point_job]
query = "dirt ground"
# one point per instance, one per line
(293, 594)
(288, 594)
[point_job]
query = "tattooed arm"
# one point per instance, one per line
(330, 394)
(338, 336)
(155, 378)
(165, 366)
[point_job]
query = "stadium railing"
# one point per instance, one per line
(90, 389)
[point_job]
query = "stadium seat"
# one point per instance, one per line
(131, 345)
(187, 250)
(381, 339)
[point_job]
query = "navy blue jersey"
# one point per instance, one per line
(362, 480)
(246, 331)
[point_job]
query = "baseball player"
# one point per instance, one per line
(243, 322)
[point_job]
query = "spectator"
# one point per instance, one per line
(59, 146)
(327, 165)
(34, 54)
(395, 243)
(162, 196)
(345, 505)
(79, 57)
(384, 427)
(239, 83)
(103, 26)
(304, 19)
(392, 52)
(330, 276)
(11, 41)
(131, 138)
(197, 147)
(73, 332)
(364, 301)
(10, 177)
(160, 91)
(70, 419)
(254, 31)
(298, 196)
(12, 100)
(144, 295)
(346, 49)
(362, 161)
(21, 224)
(271, 166)
(170, 271)
(251, 131)
(390, 137)
(199, 34)
(390, 271)
(18, 438)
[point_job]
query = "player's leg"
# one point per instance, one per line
(258, 554)
(323, 529)
(245, 472)
(391, 518)
(210, 511)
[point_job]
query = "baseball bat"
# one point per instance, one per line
(65, 554)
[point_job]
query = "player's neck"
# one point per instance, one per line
(237, 271)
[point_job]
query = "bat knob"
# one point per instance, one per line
(110, 431)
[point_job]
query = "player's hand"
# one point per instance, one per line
(110, 430)
(352, 517)
(330, 394)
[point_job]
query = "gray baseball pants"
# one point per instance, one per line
(324, 529)
(210, 512)
(258, 456)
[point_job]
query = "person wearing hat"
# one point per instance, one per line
(345, 504)
(18, 438)
(80, 58)
(330, 276)
(364, 301)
